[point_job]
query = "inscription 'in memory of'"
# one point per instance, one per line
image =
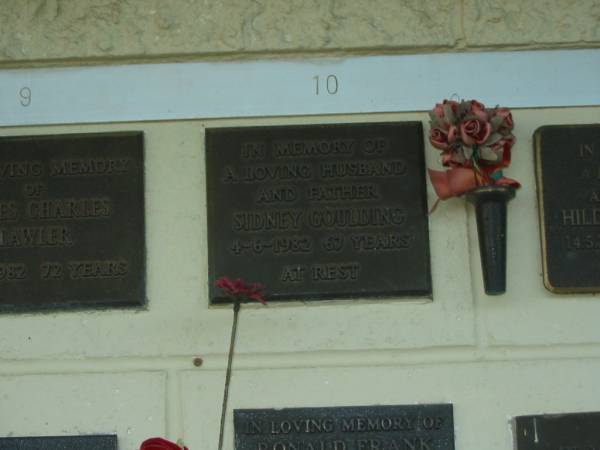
(71, 221)
(319, 211)
(414, 427)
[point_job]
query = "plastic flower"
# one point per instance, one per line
(160, 444)
(475, 143)
(238, 290)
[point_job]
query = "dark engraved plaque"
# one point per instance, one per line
(575, 431)
(568, 180)
(72, 221)
(91, 442)
(319, 211)
(411, 427)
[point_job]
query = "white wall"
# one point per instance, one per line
(132, 372)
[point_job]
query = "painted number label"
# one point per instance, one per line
(329, 84)
(25, 96)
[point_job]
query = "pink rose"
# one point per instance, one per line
(507, 123)
(478, 110)
(475, 131)
(439, 138)
(439, 110)
(452, 134)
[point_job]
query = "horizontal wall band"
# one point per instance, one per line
(558, 78)
(305, 360)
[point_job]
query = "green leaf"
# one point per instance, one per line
(497, 175)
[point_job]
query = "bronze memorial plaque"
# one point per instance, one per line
(86, 442)
(568, 181)
(319, 211)
(72, 221)
(389, 427)
(572, 431)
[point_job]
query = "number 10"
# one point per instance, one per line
(331, 84)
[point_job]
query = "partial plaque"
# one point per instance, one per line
(91, 442)
(411, 427)
(575, 431)
(568, 181)
(319, 211)
(72, 221)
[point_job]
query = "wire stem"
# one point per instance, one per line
(236, 310)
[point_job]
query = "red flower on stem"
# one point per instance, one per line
(238, 290)
(160, 444)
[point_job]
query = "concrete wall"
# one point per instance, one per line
(132, 373)
(128, 372)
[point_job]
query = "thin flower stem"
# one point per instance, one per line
(236, 310)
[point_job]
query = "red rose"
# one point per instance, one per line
(478, 110)
(507, 123)
(475, 131)
(159, 444)
(438, 138)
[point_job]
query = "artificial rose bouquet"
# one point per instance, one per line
(476, 144)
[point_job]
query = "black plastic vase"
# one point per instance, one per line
(490, 209)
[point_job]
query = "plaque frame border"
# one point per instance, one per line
(539, 181)
(400, 296)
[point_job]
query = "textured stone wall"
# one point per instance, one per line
(79, 31)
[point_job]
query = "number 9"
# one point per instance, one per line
(25, 94)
